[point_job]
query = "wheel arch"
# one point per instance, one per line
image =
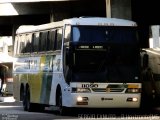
(22, 91)
(58, 92)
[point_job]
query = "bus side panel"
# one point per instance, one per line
(20, 71)
(16, 87)
(36, 72)
(35, 83)
(57, 78)
(19, 79)
(40, 82)
(46, 88)
(47, 72)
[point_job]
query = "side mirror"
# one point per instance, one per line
(67, 56)
(145, 60)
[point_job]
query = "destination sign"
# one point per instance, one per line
(89, 47)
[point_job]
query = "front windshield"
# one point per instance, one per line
(115, 64)
(104, 54)
(103, 34)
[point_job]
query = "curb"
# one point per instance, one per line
(7, 99)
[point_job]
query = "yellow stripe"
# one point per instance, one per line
(36, 83)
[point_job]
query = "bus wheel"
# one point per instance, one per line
(28, 106)
(61, 109)
(22, 93)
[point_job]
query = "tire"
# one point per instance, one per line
(22, 93)
(31, 107)
(27, 105)
(147, 88)
(61, 109)
(38, 107)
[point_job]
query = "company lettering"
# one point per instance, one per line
(90, 85)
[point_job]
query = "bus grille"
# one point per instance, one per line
(107, 89)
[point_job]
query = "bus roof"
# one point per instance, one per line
(100, 21)
(92, 21)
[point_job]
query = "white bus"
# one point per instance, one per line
(78, 63)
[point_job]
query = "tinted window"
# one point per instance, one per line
(59, 39)
(43, 41)
(28, 46)
(35, 42)
(51, 42)
(22, 43)
(104, 34)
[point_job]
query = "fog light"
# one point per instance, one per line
(134, 99)
(79, 99)
(82, 100)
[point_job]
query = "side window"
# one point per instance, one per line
(47, 42)
(43, 41)
(22, 43)
(35, 42)
(59, 39)
(52, 36)
(67, 33)
(16, 45)
(28, 43)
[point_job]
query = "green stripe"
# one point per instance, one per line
(46, 82)
(46, 88)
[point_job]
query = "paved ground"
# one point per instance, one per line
(14, 111)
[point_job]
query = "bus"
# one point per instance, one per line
(82, 62)
(151, 76)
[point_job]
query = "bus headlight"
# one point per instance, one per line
(79, 99)
(82, 100)
(81, 90)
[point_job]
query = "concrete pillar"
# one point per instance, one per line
(108, 8)
(14, 28)
(121, 9)
(52, 16)
(155, 35)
